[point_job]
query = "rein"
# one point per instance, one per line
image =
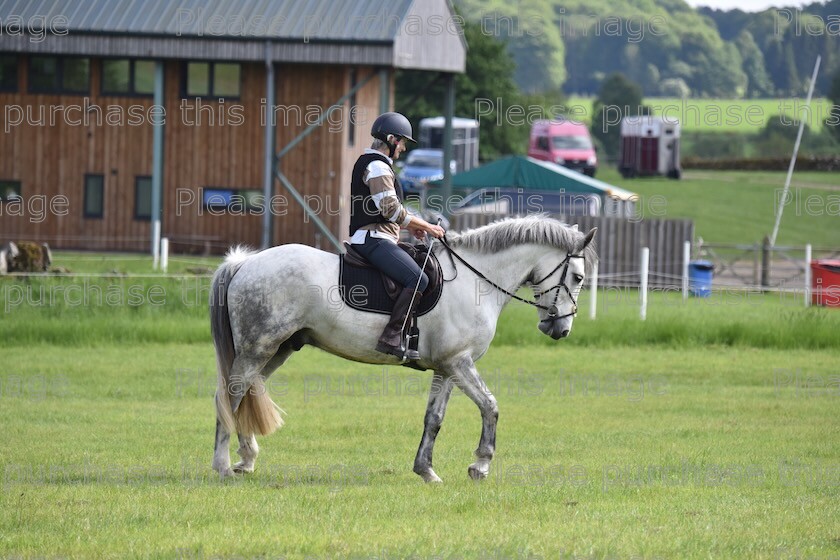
(552, 309)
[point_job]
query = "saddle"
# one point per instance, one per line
(365, 288)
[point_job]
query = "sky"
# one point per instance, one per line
(747, 5)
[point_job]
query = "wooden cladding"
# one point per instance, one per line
(50, 143)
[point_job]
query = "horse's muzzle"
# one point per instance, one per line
(555, 328)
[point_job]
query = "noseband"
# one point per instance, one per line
(552, 309)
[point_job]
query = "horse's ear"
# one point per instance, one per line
(589, 237)
(575, 227)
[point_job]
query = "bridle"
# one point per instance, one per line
(551, 309)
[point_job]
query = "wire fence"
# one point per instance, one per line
(625, 262)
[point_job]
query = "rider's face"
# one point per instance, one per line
(400, 148)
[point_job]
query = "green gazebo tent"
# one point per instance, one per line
(520, 172)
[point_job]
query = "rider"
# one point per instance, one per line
(376, 217)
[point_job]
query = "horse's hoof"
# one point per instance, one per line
(430, 477)
(241, 468)
(478, 472)
(226, 473)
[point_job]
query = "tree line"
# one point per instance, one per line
(665, 46)
(495, 72)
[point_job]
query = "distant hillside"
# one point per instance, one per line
(666, 46)
(789, 41)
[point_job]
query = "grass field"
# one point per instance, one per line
(740, 206)
(708, 431)
(717, 115)
(701, 453)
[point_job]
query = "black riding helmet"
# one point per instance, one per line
(391, 124)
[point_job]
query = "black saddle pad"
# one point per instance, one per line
(364, 288)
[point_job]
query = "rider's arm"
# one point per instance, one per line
(380, 180)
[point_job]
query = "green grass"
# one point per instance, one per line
(704, 452)
(743, 115)
(716, 115)
(739, 206)
(728, 318)
(85, 262)
(89, 312)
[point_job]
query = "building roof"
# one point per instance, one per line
(420, 34)
(532, 174)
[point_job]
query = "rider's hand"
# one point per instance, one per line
(419, 228)
(436, 231)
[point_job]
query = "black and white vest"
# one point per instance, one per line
(363, 210)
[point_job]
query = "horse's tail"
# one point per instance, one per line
(256, 412)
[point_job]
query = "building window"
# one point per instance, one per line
(128, 77)
(212, 79)
(94, 196)
(144, 77)
(50, 74)
(8, 72)
(234, 201)
(143, 198)
(9, 190)
(44, 74)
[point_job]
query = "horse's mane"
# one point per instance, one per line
(538, 229)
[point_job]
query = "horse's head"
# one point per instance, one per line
(556, 286)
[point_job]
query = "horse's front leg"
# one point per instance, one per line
(435, 410)
(469, 381)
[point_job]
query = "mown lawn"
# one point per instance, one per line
(625, 452)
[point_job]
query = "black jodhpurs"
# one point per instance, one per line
(393, 262)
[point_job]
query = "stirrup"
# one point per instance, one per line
(411, 355)
(412, 340)
(403, 352)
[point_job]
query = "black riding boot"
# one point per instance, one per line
(392, 341)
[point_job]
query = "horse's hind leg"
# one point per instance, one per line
(435, 410)
(244, 370)
(468, 379)
(221, 452)
(248, 448)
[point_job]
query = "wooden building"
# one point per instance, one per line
(108, 102)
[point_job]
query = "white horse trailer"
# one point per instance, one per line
(649, 146)
(464, 139)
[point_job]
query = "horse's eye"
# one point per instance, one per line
(578, 278)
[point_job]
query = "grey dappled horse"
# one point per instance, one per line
(266, 305)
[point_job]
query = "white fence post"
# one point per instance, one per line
(686, 259)
(155, 244)
(807, 275)
(643, 285)
(164, 254)
(593, 289)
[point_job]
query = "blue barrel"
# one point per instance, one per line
(700, 278)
